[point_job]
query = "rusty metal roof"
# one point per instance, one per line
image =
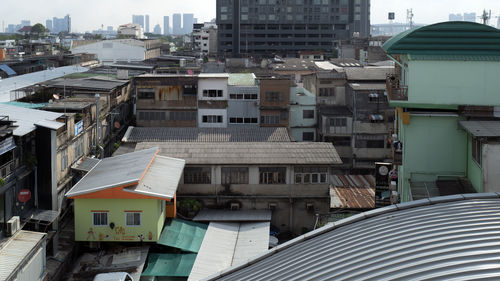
(352, 191)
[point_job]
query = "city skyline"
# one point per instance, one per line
(109, 14)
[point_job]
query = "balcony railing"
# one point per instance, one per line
(395, 91)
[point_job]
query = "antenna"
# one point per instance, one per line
(485, 17)
(409, 18)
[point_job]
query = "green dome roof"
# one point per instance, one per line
(447, 38)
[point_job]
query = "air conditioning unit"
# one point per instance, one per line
(394, 197)
(235, 206)
(310, 207)
(272, 206)
(13, 225)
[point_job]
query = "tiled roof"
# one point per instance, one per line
(164, 134)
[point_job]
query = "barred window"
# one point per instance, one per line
(99, 218)
(197, 175)
(234, 175)
(272, 175)
(311, 174)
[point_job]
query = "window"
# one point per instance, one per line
(326, 92)
(338, 122)
(212, 119)
(272, 119)
(243, 96)
(223, 17)
(341, 141)
(477, 151)
(308, 114)
(274, 96)
(151, 115)
(197, 175)
(133, 218)
(242, 120)
(183, 115)
(212, 93)
(315, 175)
(78, 147)
(272, 175)
(244, 17)
(308, 136)
(244, 9)
(223, 9)
(370, 141)
(100, 218)
(284, 115)
(146, 94)
(235, 175)
(64, 159)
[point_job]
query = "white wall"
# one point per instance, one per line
(491, 172)
(222, 112)
(212, 84)
(110, 52)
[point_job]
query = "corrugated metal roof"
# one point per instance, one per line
(352, 191)
(241, 79)
(227, 244)
(16, 250)
(248, 153)
(209, 215)
(161, 179)
(22, 81)
(442, 238)
(27, 119)
(482, 128)
(367, 86)
(165, 134)
(7, 69)
(184, 235)
(213, 75)
(26, 104)
(90, 84)
(114, 171)
(445, 57)
(368, 73)
(87, 164)
(447, 38)
(169, 265)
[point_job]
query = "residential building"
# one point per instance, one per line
(131, 30)
(274, 102)
(166, 100)
(243, 104)
(303, 114)
(166, 25)
(204, 38)
(176, 24)
(187, 23)
(437, 90)
(126, 198)
(290, 178)
(423, 230)
(157, 29)
(138, 19)
(212, 100)
(119, 50)
(146, 28)
(270, 27)
(295, 68)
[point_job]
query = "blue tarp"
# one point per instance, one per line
(7, 70)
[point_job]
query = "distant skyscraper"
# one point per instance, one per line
(176, 24)
(470, 17)
(195, 20)
(110, 29)
(61, 24)
(147, 23)
(187, 23)
(455, 17)
(25, 23)
(157, 29)
(166, 25)
(48, 24)
(498, 23)
(138, 19)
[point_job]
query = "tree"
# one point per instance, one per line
(38, 29)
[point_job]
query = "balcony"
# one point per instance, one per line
(188, 102)
(9, 168)
(395, 91)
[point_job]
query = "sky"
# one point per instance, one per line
(88, 15)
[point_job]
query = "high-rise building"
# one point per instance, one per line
(147, 23)
(138, 19)
(470, 17)
(270, 27)
(176, 24)
(455, 17)
(187, 23)
(48, 24)
(166, 25)
(157, 29)
(25, 23)
(61, 24)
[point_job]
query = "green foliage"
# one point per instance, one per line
(2, 181)
(38, 29)
(189, 205)
(116, 145)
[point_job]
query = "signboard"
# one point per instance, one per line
(24, 195)
(7, 145)
(391, 15)
(78, 128)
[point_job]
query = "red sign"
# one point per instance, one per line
(24, 195)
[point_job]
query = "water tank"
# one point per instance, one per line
(182, 62)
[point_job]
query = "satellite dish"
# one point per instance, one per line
(56, 96)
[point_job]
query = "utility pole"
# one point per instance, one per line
(409, 18)
(485, 17)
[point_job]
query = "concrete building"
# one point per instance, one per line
(274, 102)
(119, 50)
(270, 27)
(187, 23)
(243, 103)
(303, 115)
(157, 29)
(455, 17)
(470, 17)
(212, 100)
(146, 28)
(48, 25)
(61, 24)
(166, 25)
(138, 19)
(204, 38)
(289, 178)
(131, 30)
(176, 24)
(438, 149)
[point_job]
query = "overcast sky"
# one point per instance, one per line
(88, 15)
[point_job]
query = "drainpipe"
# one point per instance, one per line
(36, 186)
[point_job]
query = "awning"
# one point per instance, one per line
(208, 215)
(7, 69)
(86, 165)
(7, 145)
(169, 265)
(373, 95)
(482, 128)
(376, 117)
(185, 235)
